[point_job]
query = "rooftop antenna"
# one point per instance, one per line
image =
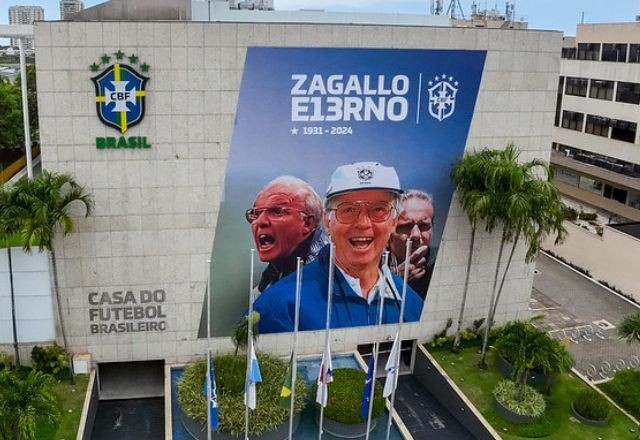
(454, 7)
(436, 7)
(582, 19)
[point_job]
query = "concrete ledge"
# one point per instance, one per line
(89, 408)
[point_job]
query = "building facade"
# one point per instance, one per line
(157, 205)
(24, 15)
(596, 145)
(68, 7)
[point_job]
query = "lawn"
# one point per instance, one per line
(71, 399)
(557, 422)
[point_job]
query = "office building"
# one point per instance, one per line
(24, 15)
(69, 7)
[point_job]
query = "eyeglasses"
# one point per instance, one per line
(406, 228)
(273, 213)
(349, 212)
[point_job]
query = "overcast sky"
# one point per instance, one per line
(541, 14)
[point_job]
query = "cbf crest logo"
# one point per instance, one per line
(365, 174)
(120, 91)
(442, 97)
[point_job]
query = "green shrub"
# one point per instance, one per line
(588, 216)
(570, 214)
(624, 389)
(345, 396)
(53, 359)
(5, 361)
(591, 405)
(230, 373)
(532, 404)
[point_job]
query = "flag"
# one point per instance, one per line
(285, 392)
(325, 376)
(366, 395)
(392, 368)
(210, 391)
(254, 377)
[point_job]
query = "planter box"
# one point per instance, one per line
(587, 421)
(506, 368)
(509, 415)
(343, 430)
(198, 431)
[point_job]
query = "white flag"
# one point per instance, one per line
(392, 366)
(254, 377)
(325, 375)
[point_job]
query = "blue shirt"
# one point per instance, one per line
(276, 304)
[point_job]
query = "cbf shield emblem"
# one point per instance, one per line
(120, 96)
(442, 97)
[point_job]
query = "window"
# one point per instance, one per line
(572, 120)
(634, 200)
(597, 125)
(614, 52)
(569, 53)
(634, 53)
(617, 194)
(601, 89)
(566, 176)
(590, 185)
(628, 92)
(589, 51)
(577, 86)
(623, 130)
(556, 120)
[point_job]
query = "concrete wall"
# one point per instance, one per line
(156, 209)
(612, 258)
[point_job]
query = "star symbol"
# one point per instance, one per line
(430, 83)
(294, 131)
(444, 75)
(455, 83)
(119, 54)
(451, 78)
(133, 59)
(144, 67)
(105, 58)
(94, 67)
(437, 78)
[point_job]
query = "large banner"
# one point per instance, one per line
(356, 125)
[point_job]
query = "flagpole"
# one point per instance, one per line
(208, 349)
(405, 279)
(327, 322)
(294, 363)
(249, 346)
(376, 352)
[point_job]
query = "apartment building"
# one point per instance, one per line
(596, 145)
(70, 7)
(24, 15)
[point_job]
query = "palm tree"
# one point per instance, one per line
(528, 206)
(629, 328)
(42, 207)
(25, 404)
(240, 337)
(468, 176)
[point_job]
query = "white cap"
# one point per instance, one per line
(363, 175)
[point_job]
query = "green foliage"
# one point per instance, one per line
(345, 396)
(530, 349)
(26, 404)
(624, 389)
(592, 405)
(531, 403)
(11, 123)
(570, 214)
(589, 216)
(240, 334)
(443, 332)
(53, 359)
(629, 328)
(230, 373)
(5, 361)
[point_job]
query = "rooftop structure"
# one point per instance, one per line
(597, 157)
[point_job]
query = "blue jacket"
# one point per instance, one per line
(276, 304)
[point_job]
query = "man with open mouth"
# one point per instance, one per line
(360, 214)
(284, 221)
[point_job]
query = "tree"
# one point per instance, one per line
(240, 335)
(629, 328)
(530, 350)
(5, 228)
(11, 126)
(526, 205)
(25, 404)
(38, 209)
(468, 176)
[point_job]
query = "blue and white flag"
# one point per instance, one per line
(325, 376)
(392, 367)
(366, 395)
(210, 391)
(253, 378)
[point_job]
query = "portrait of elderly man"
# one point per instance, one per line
(415, 223)
(360, 215)
(285, 224)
